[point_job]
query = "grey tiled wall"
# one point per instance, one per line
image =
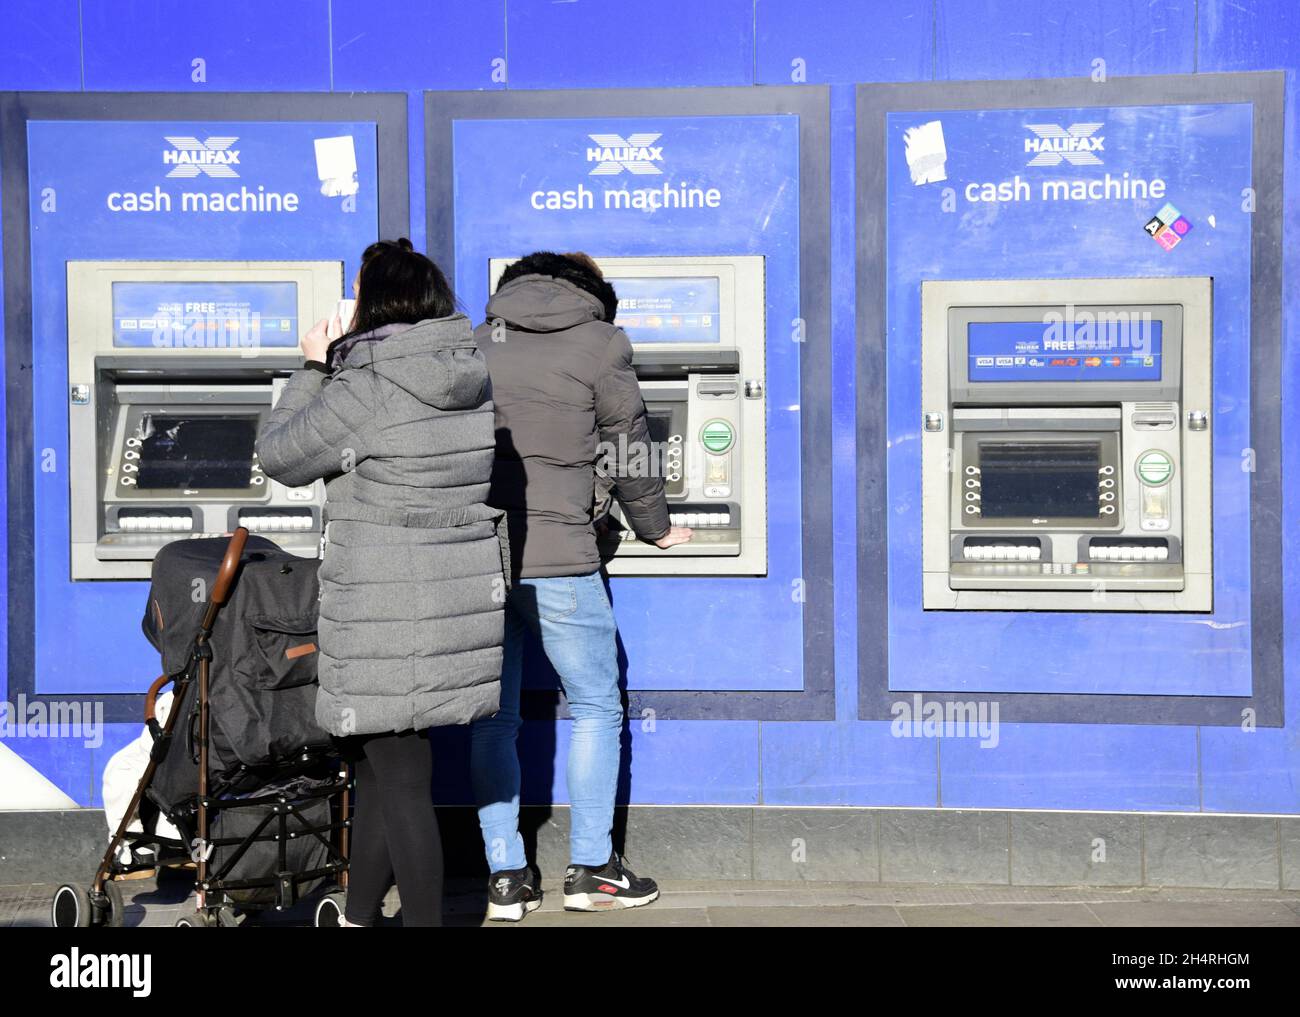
(822, 844)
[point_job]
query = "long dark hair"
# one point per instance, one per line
(398, 285)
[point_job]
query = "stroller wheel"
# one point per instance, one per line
(70, 908)
(114, 908)
(329, 910)
(198, 920)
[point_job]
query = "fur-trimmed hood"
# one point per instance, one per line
(547, 264)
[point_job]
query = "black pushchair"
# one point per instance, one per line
(239, 768)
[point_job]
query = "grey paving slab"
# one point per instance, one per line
(778, 903)
(643, 917)
(1195, 914)
(854, 916)
(999, 915)
(56, 844)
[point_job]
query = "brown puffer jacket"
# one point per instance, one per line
(563, 385)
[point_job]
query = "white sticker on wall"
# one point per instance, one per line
(927, 155)
(336, 166)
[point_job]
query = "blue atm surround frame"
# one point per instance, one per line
(816, 700)
(1265, 91)
(388, 111)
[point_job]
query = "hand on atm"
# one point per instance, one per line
(676, 535)
(316, 343)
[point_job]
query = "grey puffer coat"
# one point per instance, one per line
(415, 571)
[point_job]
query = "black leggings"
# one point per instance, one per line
(394, 830)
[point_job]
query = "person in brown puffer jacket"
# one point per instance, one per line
(564, 391)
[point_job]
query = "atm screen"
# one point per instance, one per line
(1125, 348)
(205, 314)
(1052, 480)
(654, 309)
(200, 452)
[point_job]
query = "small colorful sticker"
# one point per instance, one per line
(1168, 226)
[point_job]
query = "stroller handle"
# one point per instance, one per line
(229, 566)
(151, 697)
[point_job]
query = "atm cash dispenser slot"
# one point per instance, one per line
(697, 328)
(1065, 449)
(173, 368)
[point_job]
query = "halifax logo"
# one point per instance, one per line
(1054, 144)
(189, 157)
(636, 153)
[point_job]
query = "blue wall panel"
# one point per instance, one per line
(72, 619)
(417, 44)
(1202, 153)
(754, 163)
(40, 45)
(247, 45)
(629, 43)
(1073, 766)
(847, 763)
(1257, 35)
(670, 763)
(1251, 771)
(825, 41)
(1055, 39)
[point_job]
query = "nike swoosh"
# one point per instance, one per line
(625, 883)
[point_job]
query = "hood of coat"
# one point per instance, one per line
(541, 303)
(436, 360)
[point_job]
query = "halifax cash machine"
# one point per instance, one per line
(1066, 444)
(172, 367)
(697, 328)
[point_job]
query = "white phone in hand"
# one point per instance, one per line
(345, 310)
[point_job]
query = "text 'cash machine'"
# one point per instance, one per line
(172, 367)
(697, 328)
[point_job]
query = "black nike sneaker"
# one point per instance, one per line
(513, 893)
(612, 885)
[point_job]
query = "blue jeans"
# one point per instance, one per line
(573, 618)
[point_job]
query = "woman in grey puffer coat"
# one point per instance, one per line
(397, 417)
